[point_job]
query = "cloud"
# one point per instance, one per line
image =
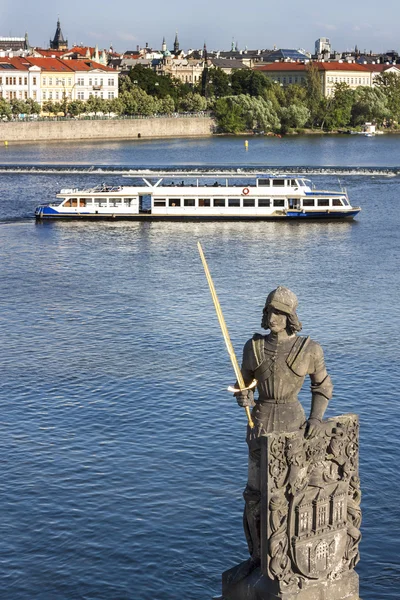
(127, 37)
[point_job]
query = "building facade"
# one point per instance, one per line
(330, 73)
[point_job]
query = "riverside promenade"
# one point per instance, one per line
(102, 128)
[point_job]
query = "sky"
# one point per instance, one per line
(257, 24)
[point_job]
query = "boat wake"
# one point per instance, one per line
(103, 170)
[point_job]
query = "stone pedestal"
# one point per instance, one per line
(309, 518)
(257, 586)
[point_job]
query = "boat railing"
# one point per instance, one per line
(98, 189)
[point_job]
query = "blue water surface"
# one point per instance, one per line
(123, 458)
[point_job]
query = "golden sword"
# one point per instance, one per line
(225, 333)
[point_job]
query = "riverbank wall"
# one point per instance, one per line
(103, 129)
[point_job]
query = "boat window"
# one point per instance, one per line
(115, 201)
(174, 202)
(308, 202)
(159, 202)
(82, 202)
(323, 201)
(294, 183)
(234, 202)
(74, 202)
(204, 202)
(337, 202)
(279, 203)
(219, 202)
(278, 182)
(67, 203)
(249, 202)
(102, 201)
(128, 201)
(189, 202)
(264, 202)
(263, 183)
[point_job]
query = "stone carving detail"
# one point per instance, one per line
(311, 528)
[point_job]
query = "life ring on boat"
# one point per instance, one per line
(245, 191)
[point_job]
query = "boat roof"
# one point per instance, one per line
(238, 174)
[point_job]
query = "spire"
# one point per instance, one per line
(96, 53)
(58, 43)
(164, 45)
(205, 51)
(176, 43)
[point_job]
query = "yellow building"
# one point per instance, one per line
(330, 73)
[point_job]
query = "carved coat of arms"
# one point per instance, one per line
(310, 525)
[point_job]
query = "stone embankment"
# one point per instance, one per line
(101, 129)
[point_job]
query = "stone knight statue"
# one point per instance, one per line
(279, 361)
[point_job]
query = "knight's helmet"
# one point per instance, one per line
(286, 301)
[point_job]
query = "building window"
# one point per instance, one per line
(81, 95)
(90, 81)
(111, 82)
(44, 80)
(44, 95)
(20, 81)
(50, 81)
(57, 96)
(111, 95)
(50, 95)
(69, 81)
(25, 95)
(34, 80)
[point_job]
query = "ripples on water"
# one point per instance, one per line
(123, 457)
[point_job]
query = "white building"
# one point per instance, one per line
(323, 46)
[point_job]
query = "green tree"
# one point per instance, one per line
(338, 107)
(76, 108)
(32, 107)
(193, 102)
(244, 112)
(370, 104)
(315, 100)
(5, 109)
(221, 83)
(17, 106)
(293, 116)
(247, 81)
(166, 106)
(117, 106)
(389, 83)
(229, 115)
(51, 107)
(96, 105)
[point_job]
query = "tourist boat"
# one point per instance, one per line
(167, 196)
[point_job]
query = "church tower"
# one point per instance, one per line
(176, 44)
(58, 43)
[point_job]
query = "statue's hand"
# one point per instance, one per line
(245, 398)
(313, 427)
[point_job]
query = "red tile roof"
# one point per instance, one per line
(17, 62)
(380, 68)
(86, 65)
(51, 65)
(49, 53)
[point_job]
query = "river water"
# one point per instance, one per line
(123, 458)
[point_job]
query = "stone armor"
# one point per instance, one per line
(280, 369)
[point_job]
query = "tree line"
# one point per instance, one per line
(244, 101)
